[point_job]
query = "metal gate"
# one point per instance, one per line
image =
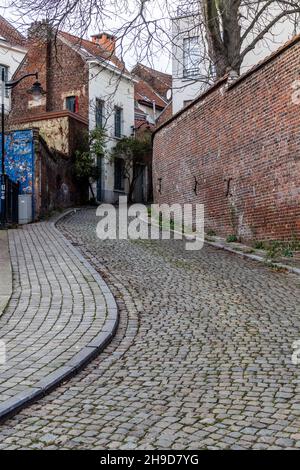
(12, 201)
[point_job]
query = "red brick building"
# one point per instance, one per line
(152, 93)
(236, 149)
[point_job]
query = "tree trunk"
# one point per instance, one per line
(232, 33)
(221, 21)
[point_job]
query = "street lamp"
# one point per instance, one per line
(36, 91)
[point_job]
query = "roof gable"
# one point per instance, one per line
(10, 34)
(91, 50)
(144, 93)
(159, 81)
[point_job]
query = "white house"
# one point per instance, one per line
(12, 52)
(188, 51)
(111, 106)
(111, 97)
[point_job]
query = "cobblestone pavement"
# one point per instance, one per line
(56, 308)
(202, 357)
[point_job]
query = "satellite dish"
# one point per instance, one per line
(169, 94)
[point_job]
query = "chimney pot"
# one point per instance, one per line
(106, 41)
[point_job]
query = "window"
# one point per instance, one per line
(191, 57)
(118, 122)
(5, 69)
(72, 104)
(99, 113)
(119, 174)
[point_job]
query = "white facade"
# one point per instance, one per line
(184, 27)
(116, 91)
(10, 57)
(184, 89)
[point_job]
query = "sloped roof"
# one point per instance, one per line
(90, 49)
(144, 94)
(10, 34)
(159, 81)
(166, 114)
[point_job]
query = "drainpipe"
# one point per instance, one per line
(154, 110)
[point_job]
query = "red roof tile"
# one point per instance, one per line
(144, 94)
(91, 49)
(159, 81)
(9, 33)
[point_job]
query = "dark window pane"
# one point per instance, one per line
(99, 113)
(118, 122)
(119, 174)
(71, 103)
(191, 57)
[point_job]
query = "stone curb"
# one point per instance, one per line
(5, 272)
(23, 399)
(253, 257)
(258, 258)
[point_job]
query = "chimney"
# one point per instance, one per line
(105, 40)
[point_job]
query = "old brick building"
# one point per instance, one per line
(236, 149)
(85, 85)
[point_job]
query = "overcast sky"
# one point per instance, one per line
(158, 57)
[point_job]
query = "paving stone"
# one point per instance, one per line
(201, 358)
(53, 316)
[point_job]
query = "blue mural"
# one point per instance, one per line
(19, 159)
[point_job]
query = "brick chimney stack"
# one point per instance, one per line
(105, 40)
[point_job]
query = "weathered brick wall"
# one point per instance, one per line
(55, 184)
(62, 72)
(241, 145)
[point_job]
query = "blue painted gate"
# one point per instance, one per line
(19, 160)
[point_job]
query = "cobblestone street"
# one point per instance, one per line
(58, 307)
(201, 358)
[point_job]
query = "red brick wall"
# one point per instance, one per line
(242, 146)
(61, 70)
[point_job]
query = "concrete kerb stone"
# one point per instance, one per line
(250, 256)
(258, 258)
(48, 383)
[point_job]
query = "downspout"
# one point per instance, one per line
(154, 110)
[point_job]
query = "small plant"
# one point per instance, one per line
(211, 233)
(232, 238)
(287, 253)
(86, 169)
(259, 245)
(274, 250)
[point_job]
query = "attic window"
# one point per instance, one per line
(72, 104)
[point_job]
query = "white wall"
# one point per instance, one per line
(114, 90)
(11, 56)
(182, 27)
(183, 89)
